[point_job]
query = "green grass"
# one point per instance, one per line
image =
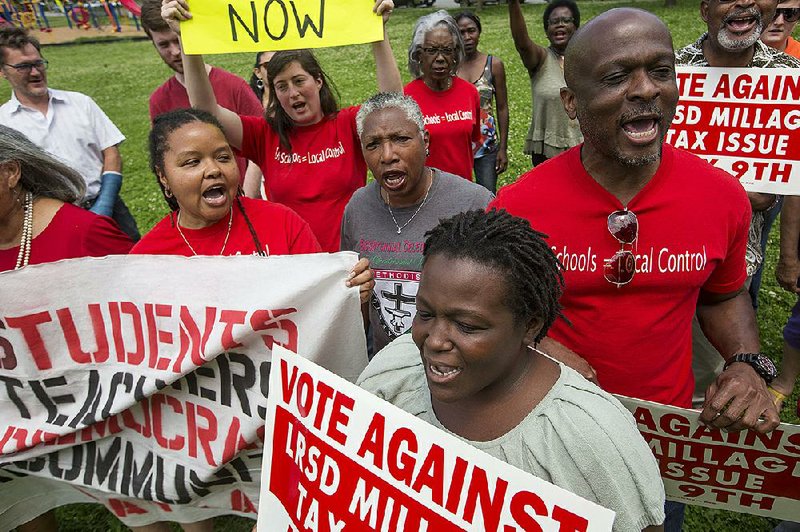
(121, 75)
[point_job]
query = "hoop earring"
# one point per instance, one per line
(260, 84)
(168, 193)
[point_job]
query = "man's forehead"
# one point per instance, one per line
(15, 55)
(163, 36)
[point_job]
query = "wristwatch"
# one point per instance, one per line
(763, 365)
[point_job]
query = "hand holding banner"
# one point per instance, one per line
(338, 458)
(222, 26)
(742, 471)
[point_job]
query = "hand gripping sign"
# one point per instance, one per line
(338, 458)
(743, 120)
(742, 471)
(222, 26)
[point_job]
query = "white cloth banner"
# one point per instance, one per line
(338, 458)
(141, 381)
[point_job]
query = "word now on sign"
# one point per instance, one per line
(222, 26)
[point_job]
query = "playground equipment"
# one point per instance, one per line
(99, 14)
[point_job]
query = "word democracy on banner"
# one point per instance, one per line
(147, 391)
(223, 26)
(743, 120)
(338, 458)
(743, 471)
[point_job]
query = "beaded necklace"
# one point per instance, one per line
(27, 233)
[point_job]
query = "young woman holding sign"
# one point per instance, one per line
(306, 146)
(488, 294)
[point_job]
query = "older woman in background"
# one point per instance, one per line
(406, 200)
(450, 105)
(38, 221)
(259, 80)
(551, 130)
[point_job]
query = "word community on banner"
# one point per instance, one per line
(219, 27)
(151, 400)
(745, 121)
(744, 471)
(338, 458)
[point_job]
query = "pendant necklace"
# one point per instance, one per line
(424, 200)
(225, 243)
(27, 233)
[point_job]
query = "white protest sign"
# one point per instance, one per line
(743, 120)
(338, 458)
(142, 380)
(742, 471)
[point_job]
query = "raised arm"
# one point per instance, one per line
(198, 86)
(501, 100)
(532, 54)
(386, 70)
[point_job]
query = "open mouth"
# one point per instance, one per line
(299, 107)
(441, 373)
(641, 130)
(742, 22)
(393, 179)
(215, 195)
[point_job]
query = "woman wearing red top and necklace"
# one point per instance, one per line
(38, 223)
(450, 105)
(306, 146)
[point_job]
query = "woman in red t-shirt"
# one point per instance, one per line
(38, 223)
(307, 148)
(450, 105)
(199, 178)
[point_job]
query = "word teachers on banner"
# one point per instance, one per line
(744, 471)
(743, 120)
(338, 458)
(146, 391)
(223, 26)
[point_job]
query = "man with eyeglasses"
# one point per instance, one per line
(641, 255)
(232, 92)
(69, 125)
(778, 34)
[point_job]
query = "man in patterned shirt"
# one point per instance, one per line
(733, 40)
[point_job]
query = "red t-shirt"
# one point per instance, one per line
(452, 118)
(693, 224)
(232, 92)
(279, 229)
(72, 233)
(318, 177)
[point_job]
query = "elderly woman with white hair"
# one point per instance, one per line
(386, 221)
(450, 105)
(38, 221)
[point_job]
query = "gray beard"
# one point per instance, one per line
(725, 39)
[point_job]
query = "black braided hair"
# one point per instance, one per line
(507, 243)
(163, 126)
(256, 241)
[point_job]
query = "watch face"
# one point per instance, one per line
(766, 367)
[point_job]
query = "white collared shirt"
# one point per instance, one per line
(75, 130)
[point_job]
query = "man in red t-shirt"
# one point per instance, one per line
(647, 233)
(232, 92)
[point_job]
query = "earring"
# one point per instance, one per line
(260, 84)
(427, 152)
(168, 193)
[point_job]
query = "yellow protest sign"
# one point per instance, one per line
(222, 26)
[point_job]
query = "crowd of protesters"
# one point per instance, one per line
(521, 313)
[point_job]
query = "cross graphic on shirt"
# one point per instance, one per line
(398, 298)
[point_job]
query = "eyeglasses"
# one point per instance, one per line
(624, 226)
(434, 51)
(560, 20)
(25, 68)
(790, 14)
